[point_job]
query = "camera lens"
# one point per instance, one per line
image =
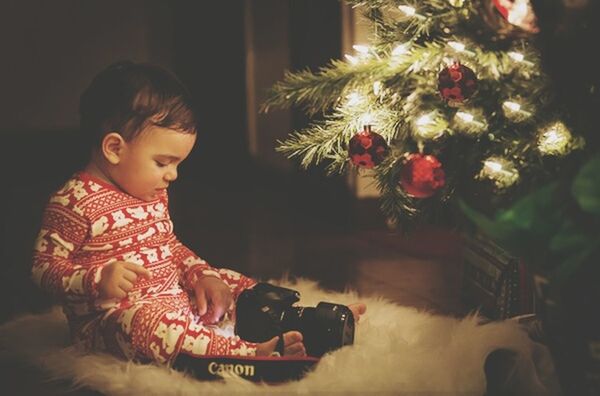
(324, 328)
(336, 323)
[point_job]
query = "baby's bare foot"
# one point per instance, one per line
(357, 310)
(292, 345)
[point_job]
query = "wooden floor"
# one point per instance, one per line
(268, 230)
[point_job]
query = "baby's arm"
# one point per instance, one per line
(62, 233)
(190, 266)
(214, 290)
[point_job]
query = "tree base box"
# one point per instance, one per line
(496, 283)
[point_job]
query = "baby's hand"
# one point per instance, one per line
(118, 278)
(292, 345)
(213, 298)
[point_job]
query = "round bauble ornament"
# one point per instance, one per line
(367, 149)
(422, 175)
(518, 13)
(456, 84)
(507, 19)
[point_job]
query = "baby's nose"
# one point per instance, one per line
(171, 175)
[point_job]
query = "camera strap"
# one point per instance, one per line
(269, 369)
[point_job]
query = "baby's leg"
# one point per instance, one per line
(160, 330)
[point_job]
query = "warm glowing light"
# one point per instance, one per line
(460, 47)
(517, 56)
(353, 60)
(466, 117)
(515, 112)
(354, 99)
(512, 106)
(492, 166)
(361, 49)
(555, 139)
(407, 10)
(424, 120)
(400, 49)
(367, 119)
(472, 122)
(500, 171)
(429, 126)
(377, 85)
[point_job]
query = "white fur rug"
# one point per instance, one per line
(397, 350)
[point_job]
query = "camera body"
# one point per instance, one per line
(266, 311)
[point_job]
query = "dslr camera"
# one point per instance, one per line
(266, 311)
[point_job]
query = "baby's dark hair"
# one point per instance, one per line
(127, 97)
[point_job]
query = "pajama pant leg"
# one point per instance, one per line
(160, 328)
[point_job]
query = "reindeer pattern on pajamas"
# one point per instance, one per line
(88, 224)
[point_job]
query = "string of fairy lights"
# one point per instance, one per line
(552, 139)
(442, 103)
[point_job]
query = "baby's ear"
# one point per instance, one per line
(112, 147)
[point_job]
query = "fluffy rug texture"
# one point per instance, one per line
(397, 350)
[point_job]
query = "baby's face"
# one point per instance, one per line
(149, 162)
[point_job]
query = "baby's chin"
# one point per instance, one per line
(148, 197)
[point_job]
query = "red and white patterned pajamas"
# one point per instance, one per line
(89, 223)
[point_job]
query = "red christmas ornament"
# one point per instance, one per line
(457, 83)
(367, 148)
(518, 13)
(422, 175)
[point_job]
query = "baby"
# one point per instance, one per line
(106, 246)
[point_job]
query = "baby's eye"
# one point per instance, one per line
(160, 164)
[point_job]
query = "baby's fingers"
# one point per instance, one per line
(125, 285)
(139, 270)
(201, 302)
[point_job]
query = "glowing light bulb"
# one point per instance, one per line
(407, 10)
(517, 56)
(361, 49)
(429, 126)
(377, 85)
(400, 49)
(460, 47)
(354, 99)
(353, 60)
(472, 122)
(466, 117)
(492, 166)
(500, 171)
(424, 120)
(515, 112)
(555, 139)
(367, 119)
(512, 106)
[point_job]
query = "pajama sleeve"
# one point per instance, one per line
(190, 266)
(62, 232)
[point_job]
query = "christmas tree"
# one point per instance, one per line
(447, 104)
(449, 108)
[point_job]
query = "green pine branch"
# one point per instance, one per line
(408, 88)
